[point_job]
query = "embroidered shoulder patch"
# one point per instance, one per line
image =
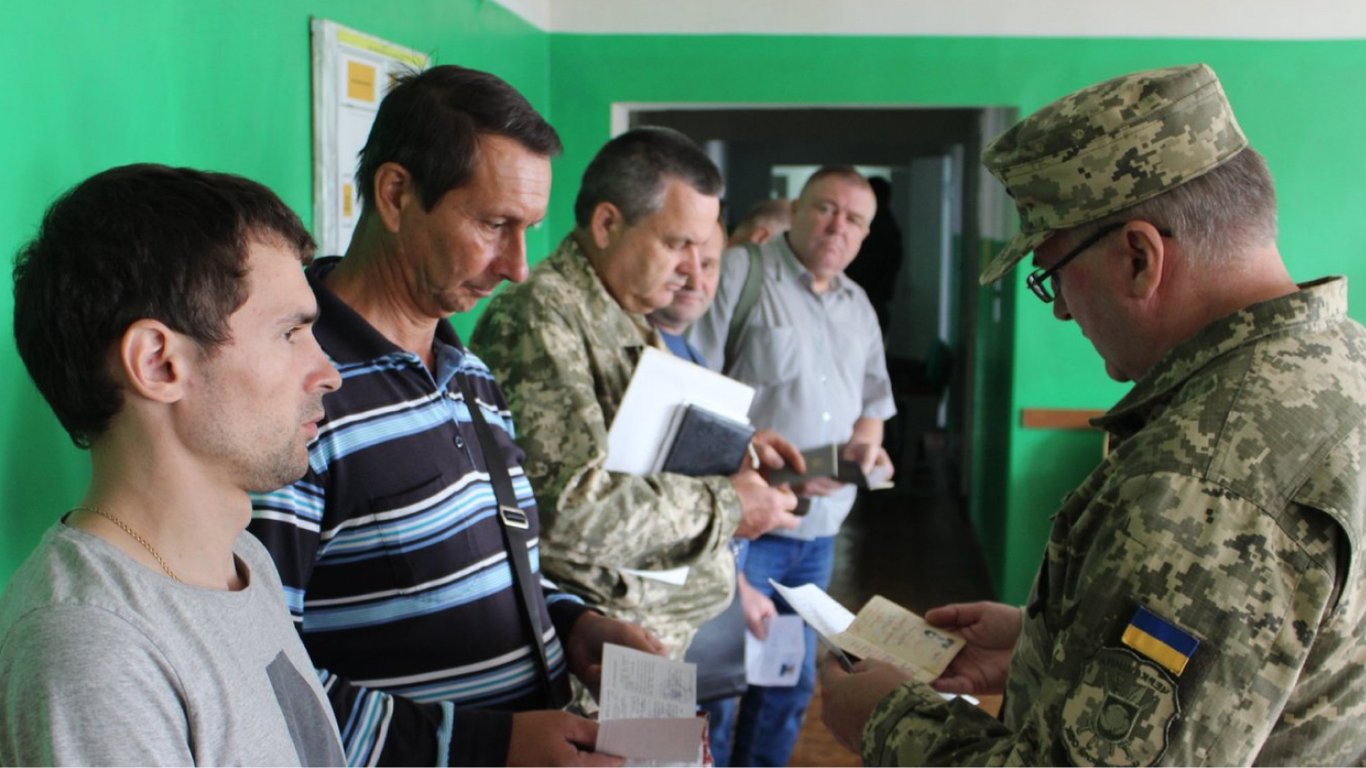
(1160, 640)
(1121, 711)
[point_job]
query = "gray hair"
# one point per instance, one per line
(1216, 215)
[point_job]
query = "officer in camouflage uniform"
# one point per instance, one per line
(565, 343)
(1200, 599)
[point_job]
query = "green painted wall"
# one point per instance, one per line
(224, 85)
(217, 84)
(1292, 98)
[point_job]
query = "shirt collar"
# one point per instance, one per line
(1317, 303)
(792, 267)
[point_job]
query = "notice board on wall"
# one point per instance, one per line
(352, 71)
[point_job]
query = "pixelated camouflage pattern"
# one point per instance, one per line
(1107, 147)
(1233, 505)
(564, 351)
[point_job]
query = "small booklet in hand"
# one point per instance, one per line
(706, 443)
(882, 630)
(648, 709)
(825, 461)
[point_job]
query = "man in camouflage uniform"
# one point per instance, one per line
(1200, 599)
(565, 344)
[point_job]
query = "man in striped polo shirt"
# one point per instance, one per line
(391, 548)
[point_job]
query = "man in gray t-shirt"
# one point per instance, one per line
(164, 316)
(812, 349)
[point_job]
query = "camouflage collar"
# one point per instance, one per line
(571, 262)
(1319, 302)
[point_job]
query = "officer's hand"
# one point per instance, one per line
(991, 630)
(762, 507)
(849, 698)
(583, 647)
(552, 737)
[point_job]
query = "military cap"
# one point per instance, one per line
(1107, 147)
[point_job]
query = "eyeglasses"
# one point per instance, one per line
(1043, 282)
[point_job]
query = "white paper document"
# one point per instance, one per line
(673, 576)
(776, 661)
(880, 479)
(661, 384)
(819, 609)
(648, 709)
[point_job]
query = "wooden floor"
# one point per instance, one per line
(912, 545)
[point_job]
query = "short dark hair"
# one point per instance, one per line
(139, 241)
(430, 123)
(630, 172)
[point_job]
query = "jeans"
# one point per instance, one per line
(770, 718)
(721, 722)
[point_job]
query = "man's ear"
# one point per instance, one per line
(393, 189)
(1145, 257)
(604, 224)
(155, 360)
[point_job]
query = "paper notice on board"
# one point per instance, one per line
(360, 81)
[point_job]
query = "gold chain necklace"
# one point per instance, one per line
(136, 537)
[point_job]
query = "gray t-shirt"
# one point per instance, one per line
(106, 662)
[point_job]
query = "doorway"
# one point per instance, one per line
(949, 342)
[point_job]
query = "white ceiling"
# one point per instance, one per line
(1236, 19)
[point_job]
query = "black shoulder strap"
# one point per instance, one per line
(749, 294)
(514, 524)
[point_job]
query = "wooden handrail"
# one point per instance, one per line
(1058, 418)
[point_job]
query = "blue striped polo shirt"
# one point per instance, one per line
(392, 558)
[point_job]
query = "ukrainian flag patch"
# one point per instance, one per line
(1160, 640)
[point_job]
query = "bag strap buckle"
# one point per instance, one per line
(513, 517)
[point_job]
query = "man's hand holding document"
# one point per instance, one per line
(648, 709)
(829, 461)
